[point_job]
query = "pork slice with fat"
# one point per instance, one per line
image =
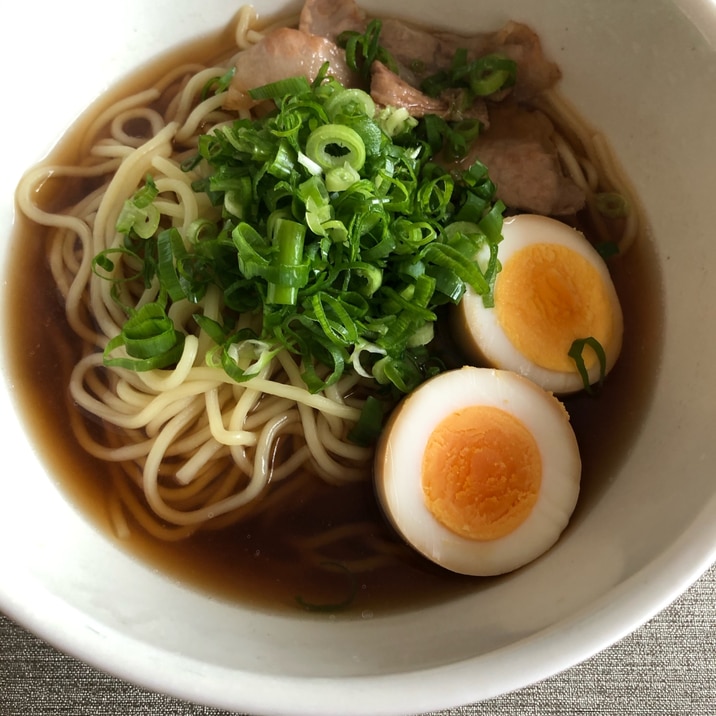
(518, 42)
(388, 89)
(521, 157)
(420, 52)
(285, 52)
(329, 18)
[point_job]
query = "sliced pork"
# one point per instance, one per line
(420, 53)
(517, 42)
(283, 53)
(522, 159)
(388, 89)
(516, 143)
(329, 18)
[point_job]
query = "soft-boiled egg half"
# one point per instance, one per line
(553, 289)
(478, 469)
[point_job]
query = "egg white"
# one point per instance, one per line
(479, 333)
(398, 469)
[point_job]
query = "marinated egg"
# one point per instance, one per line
(478, 469)
(553, 289)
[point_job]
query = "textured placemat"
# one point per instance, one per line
(666, 668)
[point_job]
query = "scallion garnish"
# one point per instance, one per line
(217, 85)
(282, 88)
(607, 249)
(612, 205)
(333, 145)
(576, 353)
(336, 231)
(370, 423)
(139, 215)
(363, 49)
(149, 340)
(480, 77)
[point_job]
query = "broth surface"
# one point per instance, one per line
(257, 560)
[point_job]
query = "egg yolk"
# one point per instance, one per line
(546, 297)
(481, 472)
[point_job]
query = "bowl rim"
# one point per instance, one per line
(607, 620)
(543, 654)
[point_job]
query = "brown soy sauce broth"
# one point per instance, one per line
(258, 561)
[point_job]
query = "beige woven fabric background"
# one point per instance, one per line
(666, 668)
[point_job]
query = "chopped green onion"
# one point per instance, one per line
(243, 356)
(333, 145)
(404, 375)
(333, 319)
(450, 258)
(341, 178)
(576, 353)
(481, 77)
(370, 277)
(313, 167)
(212, 328)
(144, 196)
(350, 103)
(138, 214)
(217, 85)
(252, 249)
(363, 50)
(607, 249)
(366, 431)
(612, 205)
(422, 335)
(395, 121)
(490, 74)
(289, 273)
(331, 224)
(169, 248)
(103, 266)
(280, 89)
(149, 339)
(102, 261)
(454, 139)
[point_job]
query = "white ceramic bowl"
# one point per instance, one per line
(641, 71)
